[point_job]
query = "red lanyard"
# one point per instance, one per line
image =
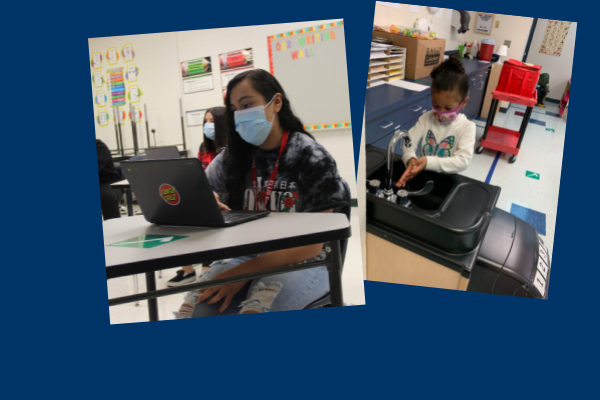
(273, 176)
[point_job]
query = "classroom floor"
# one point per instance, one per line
(352, 281)
(529, 187)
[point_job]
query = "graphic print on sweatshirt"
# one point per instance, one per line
(307, 177)
(432, 148)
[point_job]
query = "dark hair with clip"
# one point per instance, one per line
(449, 76)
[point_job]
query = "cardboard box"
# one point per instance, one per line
(492, 84)
(422, 56)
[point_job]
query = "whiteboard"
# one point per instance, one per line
(310, 64)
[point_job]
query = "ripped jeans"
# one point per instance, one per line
(283, 292)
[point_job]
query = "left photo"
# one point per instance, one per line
(226, 171)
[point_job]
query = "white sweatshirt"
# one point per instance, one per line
(448, 148)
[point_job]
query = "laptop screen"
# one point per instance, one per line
(162, 153)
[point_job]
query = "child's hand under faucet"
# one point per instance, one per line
(413, 169)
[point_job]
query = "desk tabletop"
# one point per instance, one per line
(121, 184)
(275, 232)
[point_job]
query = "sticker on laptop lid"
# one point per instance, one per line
(169, 194)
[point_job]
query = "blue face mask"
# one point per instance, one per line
(209, 130)
(252, 124)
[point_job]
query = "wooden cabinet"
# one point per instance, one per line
(387, 262)
(491, 86)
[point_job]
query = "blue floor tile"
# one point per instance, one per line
(531, 120)
(532, 217)
(552, 114)
(481, 119)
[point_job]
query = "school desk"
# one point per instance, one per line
(166, 249)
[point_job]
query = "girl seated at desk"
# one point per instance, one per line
(443, 138)
(272, 163)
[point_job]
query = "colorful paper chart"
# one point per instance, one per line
(134, 94)
(102, 118)
(112, 55)
(328, 126)
(132, 73)
(96, 61)
(97, 79)
(116, 86)
(127, 53)
(100, 99)
(122, 114)
(136, 116)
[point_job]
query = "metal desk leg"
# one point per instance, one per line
(335, 275)
(524, 125)
(129, 198)
(152, 303)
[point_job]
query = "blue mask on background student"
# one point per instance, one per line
(252, 124)
(209, 130)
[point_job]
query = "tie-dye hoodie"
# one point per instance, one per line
(307, 179)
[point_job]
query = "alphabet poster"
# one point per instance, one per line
(310, 64)
(554, 37)
(127, 53)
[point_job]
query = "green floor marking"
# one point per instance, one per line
(533, 175)
(550, 130)
(147, 241)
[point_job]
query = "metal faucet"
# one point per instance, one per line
(399, 136)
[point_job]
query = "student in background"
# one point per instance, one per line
(215, 135)
(109, 197)
(215, 140)
(543, 87)
(270, 163)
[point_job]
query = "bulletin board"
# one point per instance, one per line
(310, 64)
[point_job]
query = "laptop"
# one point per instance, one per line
(177, 193)
(162, 153)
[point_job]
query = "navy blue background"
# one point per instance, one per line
(406, 342)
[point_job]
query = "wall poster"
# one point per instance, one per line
(197, 75)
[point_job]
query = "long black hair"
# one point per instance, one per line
(220, 141)
(449, 76)
(237, 159)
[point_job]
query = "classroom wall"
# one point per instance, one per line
(559, 68)
(388, 14)
(158, 57)
(512, 27)
(158, 79)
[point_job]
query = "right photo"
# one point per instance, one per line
(465, 121)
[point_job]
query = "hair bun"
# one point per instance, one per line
(454, 62)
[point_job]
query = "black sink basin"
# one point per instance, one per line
(431, 201)
(453, 217)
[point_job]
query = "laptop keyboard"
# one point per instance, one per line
(231, 216)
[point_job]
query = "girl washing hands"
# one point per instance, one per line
(444, 138)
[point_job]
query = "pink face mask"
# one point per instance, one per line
(447, 117)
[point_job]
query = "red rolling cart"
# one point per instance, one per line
(502, 139)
